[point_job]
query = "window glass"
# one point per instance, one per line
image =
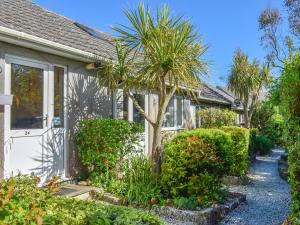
(58, 120)
(137, 116)
(27, 87)
(179, 110)
(170, 114)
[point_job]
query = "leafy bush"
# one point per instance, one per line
(194, 163)
(23, 202)
(214, 117)
(253, 142)
(269, 122)
(109, 148)
(286, 95)
(103, 145)
(240, 143)
(264, 145)
(141, 185)
(189, 203)
(259, 143)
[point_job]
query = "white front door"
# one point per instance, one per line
(34, 124)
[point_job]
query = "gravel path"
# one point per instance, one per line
(268, 196)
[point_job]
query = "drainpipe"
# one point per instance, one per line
(1, 116)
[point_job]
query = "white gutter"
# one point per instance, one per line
(26, 40)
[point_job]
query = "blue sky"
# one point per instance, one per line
(224, 24)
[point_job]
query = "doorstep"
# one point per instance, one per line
(76, 191)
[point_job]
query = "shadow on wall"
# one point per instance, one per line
(188, 121)
(86, 100)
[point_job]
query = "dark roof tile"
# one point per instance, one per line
(26, 16)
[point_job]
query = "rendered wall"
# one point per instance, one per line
(85, 99)
(1, 115)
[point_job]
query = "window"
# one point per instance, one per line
(170, 114)
(137, 116)
(174, 113)
(58, 97)
(27, 88)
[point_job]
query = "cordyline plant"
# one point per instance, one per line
(247, 80)
(155, 54)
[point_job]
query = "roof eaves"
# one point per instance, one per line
(27, 40)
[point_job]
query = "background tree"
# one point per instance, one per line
(247, 80)
(280, 46)
(155, 54)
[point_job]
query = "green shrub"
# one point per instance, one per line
(23, 202)
(264, 145)
(215, 117)
(109, 148)
(194, 163)
(253, 142)
(286, 95)
(189, 203)
(240, 145)
(103, 144)
(140, 183)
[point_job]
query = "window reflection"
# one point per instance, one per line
(58, 97)
(27, 88)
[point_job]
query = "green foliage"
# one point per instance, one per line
(269, 122)
(246, 80)
(109, 148)
(240, 145)
(253, 142)
(103, 145)
(259, 143)
(290, 108)
(215, 117)
(189, 203)
(141, 185)
(23, 202)
(194, 163)
(264, 145)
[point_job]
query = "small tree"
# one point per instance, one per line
(247, 80)
(159, 54)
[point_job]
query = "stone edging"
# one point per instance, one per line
(283, 167)
(208, 216)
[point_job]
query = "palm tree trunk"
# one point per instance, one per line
(156, 149)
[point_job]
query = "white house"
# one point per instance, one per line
(43, 60)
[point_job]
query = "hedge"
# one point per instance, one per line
(194, 163)
(240, 143)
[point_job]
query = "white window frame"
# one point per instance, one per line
(176, 126)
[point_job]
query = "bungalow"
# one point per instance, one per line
(43, 63)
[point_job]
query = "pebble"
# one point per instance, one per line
(268, 196)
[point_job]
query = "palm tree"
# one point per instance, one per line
(157, 54)
(247, 80)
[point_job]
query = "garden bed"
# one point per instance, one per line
(207, 216)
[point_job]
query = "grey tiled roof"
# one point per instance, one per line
(26, 16)
(208, 92)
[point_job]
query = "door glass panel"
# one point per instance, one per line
(58, 120)
(27, 87)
